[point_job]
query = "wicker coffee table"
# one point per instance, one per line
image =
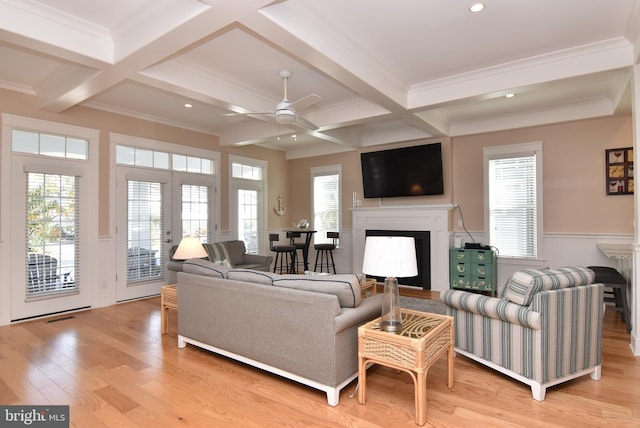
(424, 339)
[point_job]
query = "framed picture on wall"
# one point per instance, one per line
(619, 164)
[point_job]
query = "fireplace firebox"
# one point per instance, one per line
(423, 256)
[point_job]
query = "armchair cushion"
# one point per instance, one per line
(491, 307)
(524, 284)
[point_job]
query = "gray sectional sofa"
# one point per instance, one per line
(304, 328)
(233, 251)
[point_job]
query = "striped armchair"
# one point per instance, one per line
(545, 329)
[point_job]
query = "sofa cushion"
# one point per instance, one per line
(205, 267)
(250, 275)
(345, 287)
(217, 251)
(524, 284)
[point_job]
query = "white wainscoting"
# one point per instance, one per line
(558, 250)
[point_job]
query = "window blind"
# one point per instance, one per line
(512, 201)
(196, 220)
(52, 250)
(326, 206)
(145, 227)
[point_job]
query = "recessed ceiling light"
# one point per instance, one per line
(187, 105)
(510, 95)
(476, 7)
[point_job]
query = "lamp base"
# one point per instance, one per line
(391, 319)
(391, 326)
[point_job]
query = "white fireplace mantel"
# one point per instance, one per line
(432, 218)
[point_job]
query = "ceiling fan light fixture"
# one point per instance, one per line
(285, 117)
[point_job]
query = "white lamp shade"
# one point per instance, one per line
(390, 256)
(190, 248)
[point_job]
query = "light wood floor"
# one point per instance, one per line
(114, 368)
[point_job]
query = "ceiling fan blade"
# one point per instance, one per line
(301, 121)
(305, 102)
(247, 114)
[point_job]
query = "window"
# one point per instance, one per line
(248, 172)
(513, 189)
(145, 228)
(196, 219)
(136, 156)
(52, 231)
(49, 145)
(326, 201)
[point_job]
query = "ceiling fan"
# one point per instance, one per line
(285, 112)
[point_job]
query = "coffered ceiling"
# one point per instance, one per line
(385, 71)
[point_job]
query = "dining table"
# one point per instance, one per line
(308, 234)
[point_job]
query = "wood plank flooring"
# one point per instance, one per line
(114, 368)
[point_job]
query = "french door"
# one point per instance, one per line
(49, 273)
(143, 231)
(155, 210)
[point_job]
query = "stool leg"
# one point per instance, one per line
(315, 266)
(332, 262)
(275, 264)
(323, 257)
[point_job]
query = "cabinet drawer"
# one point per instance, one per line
(459, 256)
(481, 256)
(460, 268)
(481, 282)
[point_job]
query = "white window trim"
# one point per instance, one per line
(260, 185)
(116, 139)
(513, 150)
(90, 218)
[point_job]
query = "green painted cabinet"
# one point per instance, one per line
(473, 270)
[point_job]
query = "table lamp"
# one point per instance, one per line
(390, 257)
(190, 248)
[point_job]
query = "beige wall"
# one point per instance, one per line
(352, 181)
(575, 199)
(574, 169)
(26, 105)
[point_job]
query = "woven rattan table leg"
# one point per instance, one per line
(362, 380)
(421, 398)
(164, 319)
(450, 355)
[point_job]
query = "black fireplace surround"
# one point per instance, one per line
(423, 256)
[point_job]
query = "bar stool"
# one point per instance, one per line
(299, 263)
(324, 252)
(285, 252)
(615, 290)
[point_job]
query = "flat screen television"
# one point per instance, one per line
(409, 171)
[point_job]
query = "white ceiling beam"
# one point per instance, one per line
(575, 111)
(597, 57)
(334, 59)
(166, 45)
